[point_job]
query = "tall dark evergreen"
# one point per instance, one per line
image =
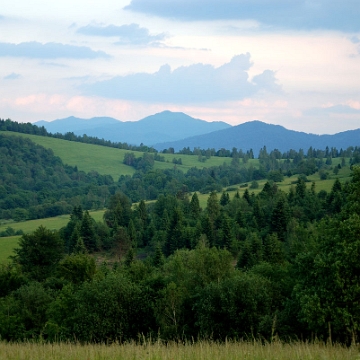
(174, 235)
(280, 219)
(87, 232)
(195, 208)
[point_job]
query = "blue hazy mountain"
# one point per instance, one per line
(256, 134)
(161, 127)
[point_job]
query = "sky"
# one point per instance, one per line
(292, 63)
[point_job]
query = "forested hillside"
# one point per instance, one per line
(36, 184)
(273, 264)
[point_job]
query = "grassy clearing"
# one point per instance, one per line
(54, 223)
(7, 246)
(198, 351)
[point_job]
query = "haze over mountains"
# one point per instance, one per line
(178, 130)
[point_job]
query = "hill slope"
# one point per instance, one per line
(256, 134)
(164, 126)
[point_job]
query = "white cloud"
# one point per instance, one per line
(294, 14)
(12, 76)
(38, 50)
(196, 83)
(127, 34)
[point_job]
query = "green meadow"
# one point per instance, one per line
(200, 350)
(109, 161)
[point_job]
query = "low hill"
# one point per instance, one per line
(109, 161)
(256, 134)
(164, 126)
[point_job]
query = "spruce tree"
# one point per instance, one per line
(195, 208)
(87, 232)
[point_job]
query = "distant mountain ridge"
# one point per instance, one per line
(256, 134)
(161, 127)
(178, 130)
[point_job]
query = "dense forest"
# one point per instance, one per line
(271, 265)
(275, 264)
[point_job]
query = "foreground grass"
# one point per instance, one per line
(197, 351)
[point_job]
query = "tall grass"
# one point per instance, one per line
(197, 351)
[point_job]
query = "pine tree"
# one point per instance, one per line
(132, 233)
(280, 219)
(246, 196)
(273, 249)
(224, 199)
(87, 232)
(195, 208)
(79, 247)
(226, 240)
(174, 236)
(129, 257)
(213, 206)
(77, 213)
(239, 218)
(158, 259)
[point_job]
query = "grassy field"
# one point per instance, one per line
(197, 351)
(54, 223)
(109, 161)
(8, 244)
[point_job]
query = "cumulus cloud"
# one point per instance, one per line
(198, 83)
(295, 14)
(336, 109)
(12, 76)
(267, 81)
(127, 34)
(51, 50)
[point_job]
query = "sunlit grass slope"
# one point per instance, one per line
(109, 161)
(197, 351)
(87, 157)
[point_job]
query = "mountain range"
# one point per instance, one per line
(162, 127)
(178, 130)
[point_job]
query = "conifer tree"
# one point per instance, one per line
(158, 259)
(224, 199)
(195, 208)
(174, 236)
(87, 232)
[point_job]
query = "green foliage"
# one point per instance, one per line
(104, 310)
(77, 268)
(234, 307)
(23, 313)
(39, 253)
